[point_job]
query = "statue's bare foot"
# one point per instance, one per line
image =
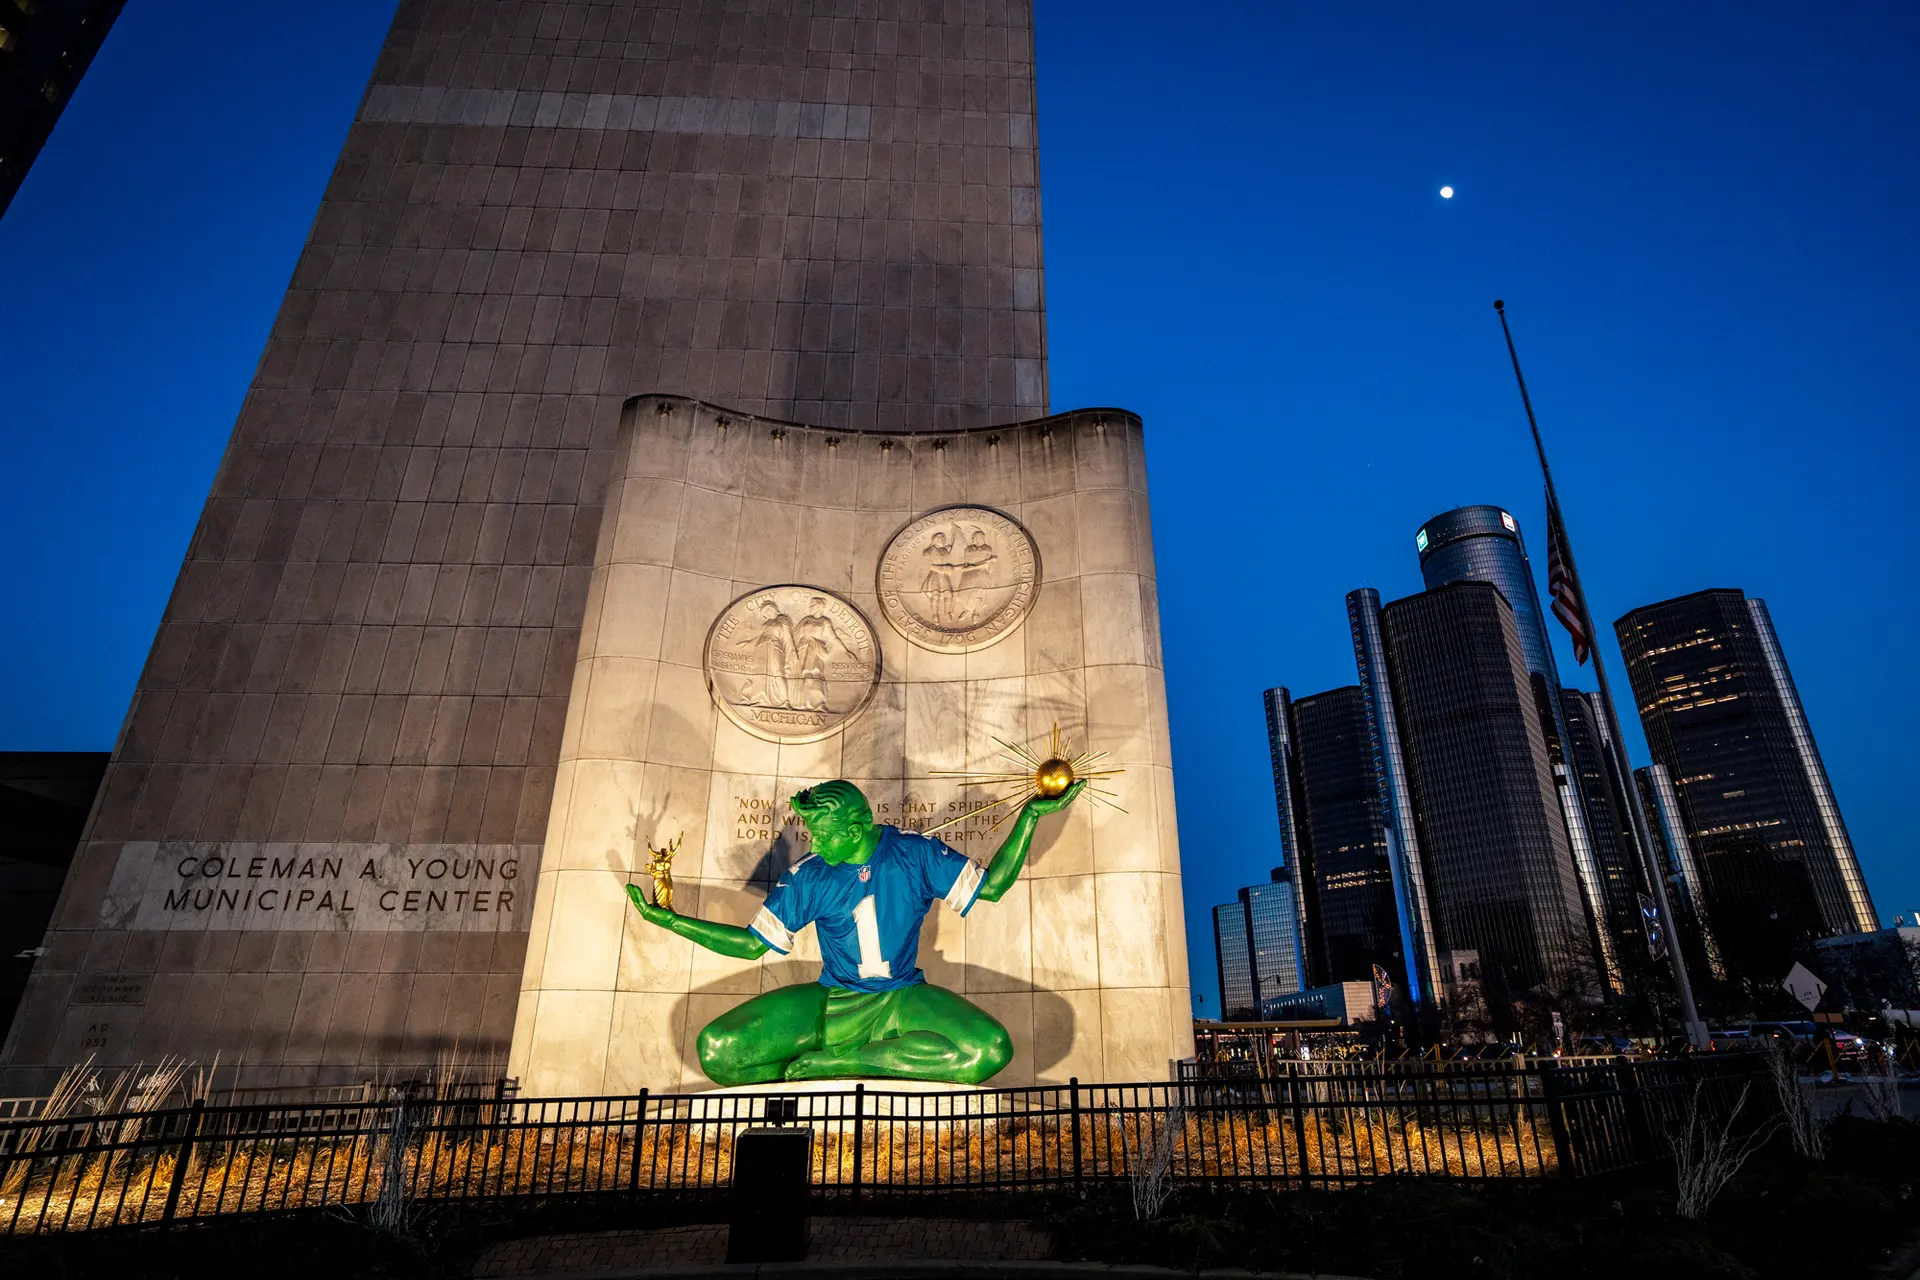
(823, 1066)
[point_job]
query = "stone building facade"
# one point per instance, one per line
(315, 845)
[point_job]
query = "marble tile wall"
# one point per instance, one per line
(1084, 960)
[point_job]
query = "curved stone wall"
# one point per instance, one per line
(1084, 960)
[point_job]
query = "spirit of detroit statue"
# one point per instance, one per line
(865, 888)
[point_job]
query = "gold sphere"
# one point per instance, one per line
(1053, 778)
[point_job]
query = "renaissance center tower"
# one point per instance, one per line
(1483, 544)
(620, 324)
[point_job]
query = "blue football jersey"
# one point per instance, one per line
(868, 917)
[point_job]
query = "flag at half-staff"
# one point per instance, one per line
(1563, 584)
(1563, 589)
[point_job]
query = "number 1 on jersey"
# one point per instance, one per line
(866, 925)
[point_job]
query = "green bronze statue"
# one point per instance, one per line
(865, 888)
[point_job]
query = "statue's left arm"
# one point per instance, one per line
(1012, 857)
(727, 939)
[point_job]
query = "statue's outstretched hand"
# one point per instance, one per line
(727, 939)
(1040, 806)
(652, 914)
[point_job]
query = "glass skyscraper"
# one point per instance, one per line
(1233, 956)
(1723, 717)
(1273, 933)
(1352, 881)
(1296, 840)
(1267, 933)
(1493, 846)
(1412, 901)
(1483, 544)
(1257, 947)
(1682, 869)
(1604, 794)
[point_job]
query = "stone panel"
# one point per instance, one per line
(1084, 958)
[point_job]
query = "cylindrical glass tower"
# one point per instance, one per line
(1295, 861)
(1482, 544)
(1396, 800)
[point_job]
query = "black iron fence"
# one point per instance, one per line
(1304, 1125)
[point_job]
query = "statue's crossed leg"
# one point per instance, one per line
(812, 1032)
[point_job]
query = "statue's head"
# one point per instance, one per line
(839, 820)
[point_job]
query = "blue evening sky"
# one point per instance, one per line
(1702, 218)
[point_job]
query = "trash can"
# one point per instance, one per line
(767, 1221)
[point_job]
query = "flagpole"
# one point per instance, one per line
(1689, 1012)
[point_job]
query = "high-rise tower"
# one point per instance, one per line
(1483, 544)
(1233, 960)
(1589, 757)
(1722, 715)
(1352, 879)
(1257, 947)
(1498, 873)
(1682, 869)
(1296, 836)
(1412, 892)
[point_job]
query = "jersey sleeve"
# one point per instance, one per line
(951, 876)
(785, 912)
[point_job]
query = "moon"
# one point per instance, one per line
(1446, 193)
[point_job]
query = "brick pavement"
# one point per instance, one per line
(835, 1239)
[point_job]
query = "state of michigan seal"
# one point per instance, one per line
(791, 663)
(959, 578)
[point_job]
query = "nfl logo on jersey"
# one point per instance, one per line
(866, 874)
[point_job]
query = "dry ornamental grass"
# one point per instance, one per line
(117, 1182)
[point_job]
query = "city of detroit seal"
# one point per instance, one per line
(791, 663)
(958, 578)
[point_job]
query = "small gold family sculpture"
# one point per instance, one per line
(660, 867)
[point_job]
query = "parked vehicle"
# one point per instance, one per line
(1731, 1038)
(1847, 1044)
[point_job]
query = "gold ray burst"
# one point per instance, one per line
(1032, 774)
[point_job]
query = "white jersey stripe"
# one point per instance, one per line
(767, 927)
(966, 887)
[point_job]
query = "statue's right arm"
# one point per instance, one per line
(727, 939)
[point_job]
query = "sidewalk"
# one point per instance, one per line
(855, 1248)
(835, 1240)
(922, 1269)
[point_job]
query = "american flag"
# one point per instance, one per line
(1656, 931)
(1566, 596)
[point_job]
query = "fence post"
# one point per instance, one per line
(859, 1135)
(639, 1137)
(181, 1161)
(1551, 1089)
(1299, 1122)
(1634, 1103)
(1073, 1085)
